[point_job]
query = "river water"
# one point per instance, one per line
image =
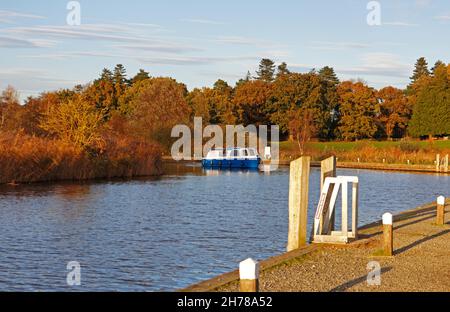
(169, 232)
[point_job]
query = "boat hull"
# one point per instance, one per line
(231, 163)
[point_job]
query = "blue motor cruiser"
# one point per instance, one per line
(243, 158)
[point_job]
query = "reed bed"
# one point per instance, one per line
(25, 158)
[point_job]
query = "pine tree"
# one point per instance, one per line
(266, 70)
(431, 114)
(436, 65)
(282, 69)
(421, 69)
(120, 82)
(327, 74)
(141, 75)
(106, 75)
(119, 76)
(247, 78)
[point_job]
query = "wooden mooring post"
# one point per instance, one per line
(388, 238)
(328, 170)
(298, 202)
(440, 214)
(438, 163)
(446, 163)
(249, 276)
(442, 163)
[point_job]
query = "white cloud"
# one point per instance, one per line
(244, 41)
(423, 3)
(328, 45)
(32, 81)
(8, 42)
(159, 46)
(379, 64)
(10, 16)
(443, 17)
(193, 60)
(201, 21)
(402, 24)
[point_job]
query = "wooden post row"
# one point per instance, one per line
(438, 163)
(298, 202)
(388, 239)
(249, 276)
(440, 214)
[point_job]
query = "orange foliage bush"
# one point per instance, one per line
(25, 158)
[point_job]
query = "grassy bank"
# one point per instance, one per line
(417, 152)
(25, 159)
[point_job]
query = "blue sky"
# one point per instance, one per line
(199, 41)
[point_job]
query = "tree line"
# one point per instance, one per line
(304, 105)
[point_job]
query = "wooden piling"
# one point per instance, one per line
(446, 163)
(438, 163)
(440, 215)
(249, 276)
(388, 238)
(298, 202)
(327, 170)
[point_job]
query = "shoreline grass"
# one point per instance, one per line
(28, 159)
(389, 152)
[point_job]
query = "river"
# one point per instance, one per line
(166, 233)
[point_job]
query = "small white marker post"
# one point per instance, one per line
(388, 239)
(249, 276)
(440, 210)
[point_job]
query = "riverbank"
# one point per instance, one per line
(412, 155)
(420, 262)
(29, 159)
(377, 166)
(350, 165)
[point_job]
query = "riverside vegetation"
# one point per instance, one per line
(116, 126)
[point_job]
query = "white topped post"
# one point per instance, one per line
(440, 215)
(249, 275)
(388, 239)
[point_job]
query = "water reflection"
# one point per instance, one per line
(168, 232)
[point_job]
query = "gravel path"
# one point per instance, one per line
(421, 262)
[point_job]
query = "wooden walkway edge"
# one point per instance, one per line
(368, 233)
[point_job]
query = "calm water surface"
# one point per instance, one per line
(167, 233)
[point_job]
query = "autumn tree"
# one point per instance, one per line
(102, 93)
(266, 70)
(301, 127)
(10, 109)
(75, 122)
(35, 109)
(299, 91)
(155, 106)
(358, 108)
(250, 100)
(395, 111)
(214, 105)
(202, 103)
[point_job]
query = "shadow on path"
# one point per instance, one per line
(420, 241)
(356, 281)
(428, 216)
